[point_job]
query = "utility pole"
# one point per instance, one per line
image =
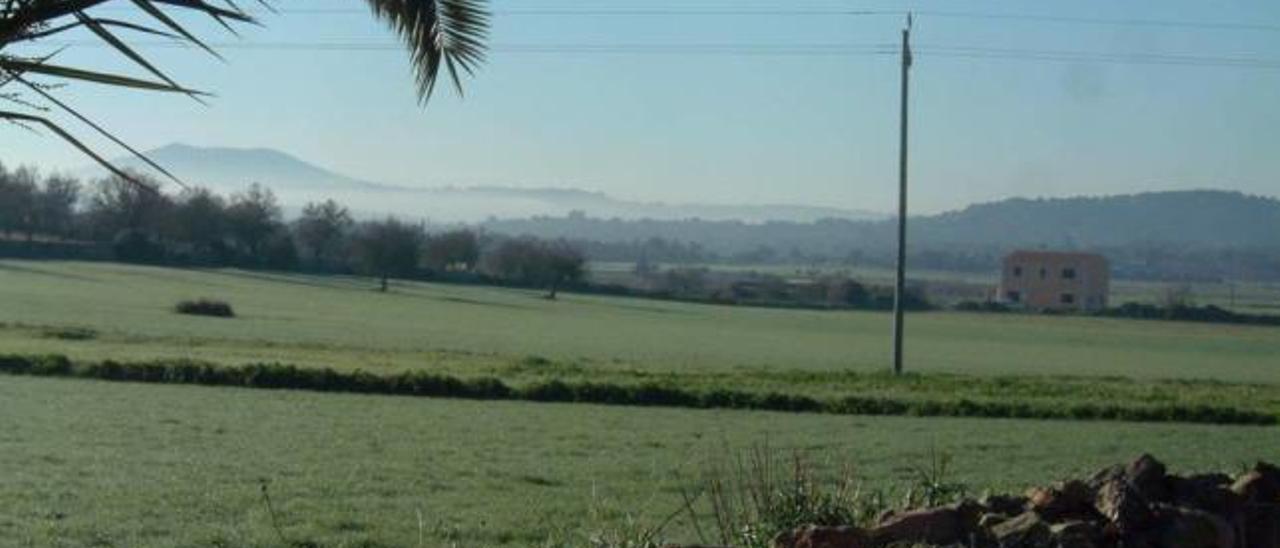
(900, 286)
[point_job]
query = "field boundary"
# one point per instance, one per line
(422, 384)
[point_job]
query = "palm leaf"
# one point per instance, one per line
(22, 66)
(18, 117)
(436, 32)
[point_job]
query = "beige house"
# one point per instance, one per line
(1052, 280)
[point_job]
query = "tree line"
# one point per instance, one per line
(198, 227)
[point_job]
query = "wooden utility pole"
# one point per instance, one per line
(900, 285)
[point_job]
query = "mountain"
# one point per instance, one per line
(1178, 220)
(296, 182)
(234, 168)
(1211, 218)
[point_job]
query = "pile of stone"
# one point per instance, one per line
(1139, 505)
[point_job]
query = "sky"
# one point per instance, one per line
(739, 102)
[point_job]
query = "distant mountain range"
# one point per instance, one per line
(1194, 217)
(1176, 220)
(297, 182)
(1200, 218)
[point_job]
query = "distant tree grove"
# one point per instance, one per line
(45, 216)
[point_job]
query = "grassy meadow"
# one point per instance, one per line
(342, 323)
(93, 463)
(947, 288)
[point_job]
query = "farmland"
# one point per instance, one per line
(340, 322)
(111, 464)
(122, 464)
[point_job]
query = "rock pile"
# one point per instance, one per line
(1139, 505)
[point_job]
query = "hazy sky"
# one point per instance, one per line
(773, 113)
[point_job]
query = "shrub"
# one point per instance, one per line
(69, 333)
(281, 376)
(205, 307)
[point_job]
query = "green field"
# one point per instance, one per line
(341, 322)
(92, 463)
(947, 288)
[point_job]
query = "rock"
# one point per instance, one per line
(1122, 505)
(1261, 526)
(1209, 492)
(989, 520)
(1027, 530)
(1259, 485)
(1064, 499)
(1004, 504)
(1148, 476)
(1076, 534)
(946, 525)
(814, 536)
(1178, 527)
(693, 546)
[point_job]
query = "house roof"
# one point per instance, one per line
(1029, 255)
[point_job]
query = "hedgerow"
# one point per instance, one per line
(275, 376)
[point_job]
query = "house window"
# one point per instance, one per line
(1014, 296)
(1068, 298)
(1043, 273)
(1069, 273)
(1017, 272)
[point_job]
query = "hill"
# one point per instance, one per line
(1197, 217)
(297, 181)
(1203, 218)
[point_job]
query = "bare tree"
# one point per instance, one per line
(456, 248)
(388, 248)
(253, 217)
(549, 265)
(322, 228)
(55, 205)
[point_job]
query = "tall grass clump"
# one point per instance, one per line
(748, 500)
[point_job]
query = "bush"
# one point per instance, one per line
(982, 306)
(280, 376)
(69, 333)
(205, 307)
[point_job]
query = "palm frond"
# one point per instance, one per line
(20, 118)
(451, 33)
(438, 32)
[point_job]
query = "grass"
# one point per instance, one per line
(1014, 402)
(342, 323)
(947, 287)
(92, 463)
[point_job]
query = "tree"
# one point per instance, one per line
(200, 220)
(55, 206)
(17, 200)
(548, 265)
(322, 229)
(562, 264)
(448, 33)
(119, 204)
(387, 248)
(252, 218)
(453, 249)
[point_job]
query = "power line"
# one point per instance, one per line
(810, 49)
(1159, 23)
(804, 12)
(1098, 57)
(746, 49)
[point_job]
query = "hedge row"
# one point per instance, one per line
(278, 376)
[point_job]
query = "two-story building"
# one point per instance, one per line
(1053, 280)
